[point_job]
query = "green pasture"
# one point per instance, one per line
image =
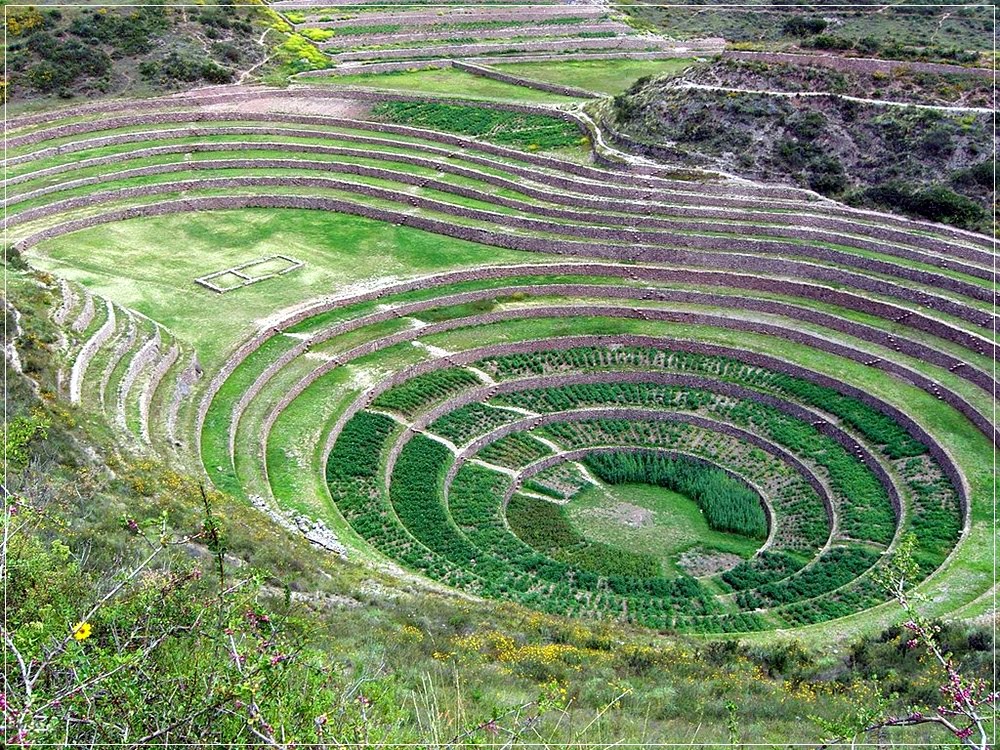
(150, 265)
(446, 82)
(599, 76)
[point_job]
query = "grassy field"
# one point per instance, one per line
(671, 525)
(446, 82)
(601, 76)
(151, 264)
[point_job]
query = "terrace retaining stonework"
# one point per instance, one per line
(87, 352)
(734, 261)
(631, 230)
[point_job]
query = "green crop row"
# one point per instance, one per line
(463, 424)
(804, 526)
(467, 542)
(837, 567)
(865, 509)
(511, 128)
(515, 451)
(876, 427)
(416, 394)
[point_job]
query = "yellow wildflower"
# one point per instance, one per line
(81, 631)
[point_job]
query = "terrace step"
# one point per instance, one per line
(87, 352)
(417, 18)
(159, 371)
(67, 303)
(486, 33)
(183, 389)
(151, 373)
(123, 344)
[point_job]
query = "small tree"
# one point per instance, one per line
(968, 706)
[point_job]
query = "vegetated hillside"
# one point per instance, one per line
(929, 163)
(65, 52)
(190, 615)
(900, 84)
(926, 32)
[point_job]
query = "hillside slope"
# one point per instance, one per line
(233, 630)
(829, 131)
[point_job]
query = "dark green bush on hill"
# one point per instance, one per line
(223, 16)
(891, 49)
(921, 162)
(803, 26)
(981, 176)
(61, 63)
(184, 68)
(127, 33)
(936, 203)
(87, 51)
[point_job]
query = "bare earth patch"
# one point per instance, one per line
(625, 514)
(700, 562)
(345, 108)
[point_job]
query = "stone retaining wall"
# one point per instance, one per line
(630, 231)
(697, 258)
(87, 352)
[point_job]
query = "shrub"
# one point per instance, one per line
(826, 175)
(803, 26)
(936, 203)
(127, 33)
(829, 41)
(317, 35)
(63, 63)
(185, 68)
(807, 125)
(300, 54)
(981, 176)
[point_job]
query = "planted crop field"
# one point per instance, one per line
(354, 39)
(482, 345)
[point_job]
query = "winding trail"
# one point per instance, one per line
(829, 95)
